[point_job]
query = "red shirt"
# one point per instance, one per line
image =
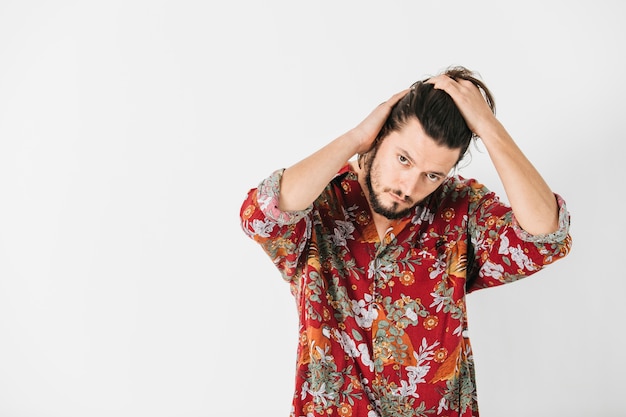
(383, 325)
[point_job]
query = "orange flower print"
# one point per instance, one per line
(492, 221)
(476, 185)
(362, 218)
(248, 212)
(383, 350)
(440, 355)
(431, 322)
(308, 408)
(345, 185)
(407, 278)
(448, 214)
(356, 383)
(476, 196)
(345, 410)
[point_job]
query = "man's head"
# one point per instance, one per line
(436, 112)
(424, 137)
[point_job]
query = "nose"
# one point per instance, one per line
(408, 184)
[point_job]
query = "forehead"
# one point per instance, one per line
(412, 142)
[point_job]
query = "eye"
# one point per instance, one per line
(433, 177)
(403, 160)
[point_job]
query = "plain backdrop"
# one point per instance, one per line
(131, 131)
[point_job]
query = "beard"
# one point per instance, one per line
(392, 212)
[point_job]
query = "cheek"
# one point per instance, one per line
(427, 187)
(383, 176)
(418, 188)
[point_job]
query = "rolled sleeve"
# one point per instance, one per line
(268, 195)
(554, 237)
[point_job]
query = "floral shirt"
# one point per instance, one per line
(383, 326)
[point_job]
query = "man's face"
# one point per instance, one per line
(407, 167)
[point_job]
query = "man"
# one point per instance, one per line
(381, 250)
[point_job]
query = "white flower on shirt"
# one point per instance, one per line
(418, 372)
(348, 345)
(262, 228)
(365, 357)
(517, 254)
(521, 259)
(364, 311)
(411, 314)
(342, 233)
(443, 405)
(438, 301)
(490, 269)
(356, 351)
(377, 268)
(405, 389)
(422, 214)
(319, 395)
(438, 268)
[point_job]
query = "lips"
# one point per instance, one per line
(396, 197)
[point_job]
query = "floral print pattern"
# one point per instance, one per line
(383, 324)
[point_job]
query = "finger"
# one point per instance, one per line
(398, 96)
(443, 82)
(395, 98)
(460, 90)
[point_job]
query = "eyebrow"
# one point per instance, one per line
(438, 173)
(407, 156)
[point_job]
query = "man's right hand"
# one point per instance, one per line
(368, 129)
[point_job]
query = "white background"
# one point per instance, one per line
(130, 132)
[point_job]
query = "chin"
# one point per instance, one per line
(393, 213)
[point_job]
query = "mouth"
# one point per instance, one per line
(397, 198)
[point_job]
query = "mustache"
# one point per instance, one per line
(400, 194)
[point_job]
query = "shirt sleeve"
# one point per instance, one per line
(283, 235)
(503, 252)
(558, 236)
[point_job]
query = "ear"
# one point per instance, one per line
(359, 160)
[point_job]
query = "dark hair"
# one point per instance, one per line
(436, 112)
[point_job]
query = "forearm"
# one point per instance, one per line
(303, 182)
(531, 199)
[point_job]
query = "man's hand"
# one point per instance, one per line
(470, 102)
(368, 129)
(533, 203)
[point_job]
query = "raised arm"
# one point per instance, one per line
(532, 201)
(303, 182)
